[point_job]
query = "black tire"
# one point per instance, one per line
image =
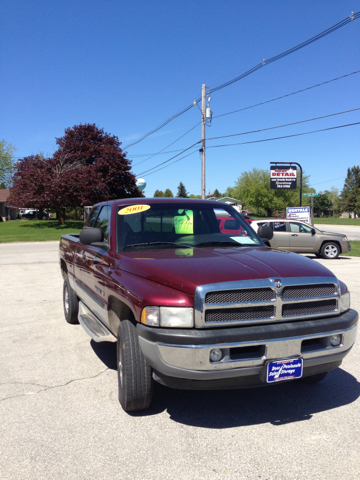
(315, 378)
(71, 303)
(134, 374)
(330, 250)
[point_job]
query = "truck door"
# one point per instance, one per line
(95, 264)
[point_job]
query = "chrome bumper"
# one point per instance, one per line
(193, 361)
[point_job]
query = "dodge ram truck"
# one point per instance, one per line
(192, 307)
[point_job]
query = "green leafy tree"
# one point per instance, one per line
(159, 193)
(350, 195)
(253, 190)
(168, 193)
(194, 196)
(323, 204)
(182, 193)
(6, 164)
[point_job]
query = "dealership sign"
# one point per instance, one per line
(298, 213)
(283, 177)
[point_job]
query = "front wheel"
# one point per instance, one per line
(71, 303)
(134, 374)
(330, 250)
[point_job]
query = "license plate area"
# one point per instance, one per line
(284, 370)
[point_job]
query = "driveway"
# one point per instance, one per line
(60, 417)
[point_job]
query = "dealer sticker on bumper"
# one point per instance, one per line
(284, 370)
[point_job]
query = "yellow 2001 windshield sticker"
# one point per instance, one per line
(133, 209)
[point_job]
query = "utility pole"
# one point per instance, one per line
(203, 100)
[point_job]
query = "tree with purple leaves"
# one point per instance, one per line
(88, 167)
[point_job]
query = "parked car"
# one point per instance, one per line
(191, 307)
(230, 226)
(34, 214)
(299, 237)
(247, 218)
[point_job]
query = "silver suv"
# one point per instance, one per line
(299, 237)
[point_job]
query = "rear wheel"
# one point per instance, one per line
(71, 303)
(315, 378)
(330, 250)
(134, 374)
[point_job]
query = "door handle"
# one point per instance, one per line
(294, 235)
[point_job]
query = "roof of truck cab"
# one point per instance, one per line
(144, 200)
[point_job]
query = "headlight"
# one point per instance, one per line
(177, 317)
(345, 302)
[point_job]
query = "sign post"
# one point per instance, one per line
(312, 195)
(283, 176)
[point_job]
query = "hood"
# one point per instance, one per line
(335, 234)
(187, 268)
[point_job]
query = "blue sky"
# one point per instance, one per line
(129, 65)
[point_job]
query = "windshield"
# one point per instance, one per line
(199, 225)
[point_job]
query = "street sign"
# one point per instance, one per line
(283, 177)
(311, 194)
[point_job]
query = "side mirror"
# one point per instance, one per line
(90, 235)
(313, 231)
(265, 233)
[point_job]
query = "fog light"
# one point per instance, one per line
(216, 355)
(335, 340)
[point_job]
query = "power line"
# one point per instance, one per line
(286, 136)
(333, 28)
(178, 160)
(246, 143)
(327, 181)
(281, 126)
(166, 161)
(284, 96)
(182, 136)
(246, 108)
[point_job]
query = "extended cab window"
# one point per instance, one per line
(103, 222)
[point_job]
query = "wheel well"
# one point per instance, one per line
(330, 241)
(64, 270)
(118, 311)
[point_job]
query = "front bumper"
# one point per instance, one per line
(181, 358)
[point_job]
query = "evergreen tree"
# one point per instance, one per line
(350, 195)
(182, 193)
(216, 193)
(168, 193)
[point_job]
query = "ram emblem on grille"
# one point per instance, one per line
(278, 284)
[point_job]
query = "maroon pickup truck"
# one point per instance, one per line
(196, 308)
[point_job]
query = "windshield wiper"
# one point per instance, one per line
(158, 243)
(219, 242)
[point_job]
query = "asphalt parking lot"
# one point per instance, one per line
(60, 416)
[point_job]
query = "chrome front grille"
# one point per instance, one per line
(309, 308)
(310, 291)
(236, 296)
(239, 314)
(253, 302)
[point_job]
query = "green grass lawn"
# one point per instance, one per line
(36, 230)
(337, 221)
(355, 250)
